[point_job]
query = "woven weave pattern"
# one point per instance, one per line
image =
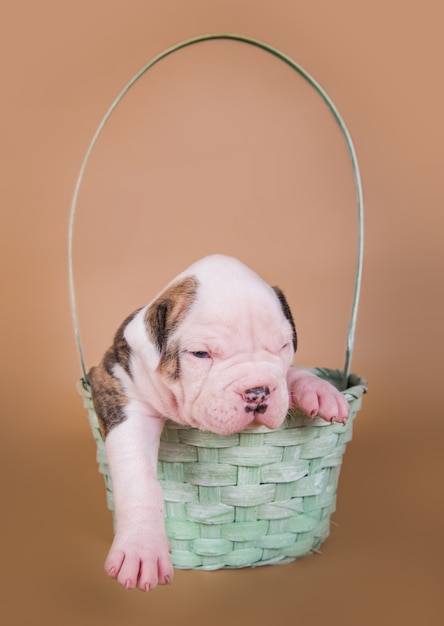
(254, 498)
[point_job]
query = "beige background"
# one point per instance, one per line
(223, 148)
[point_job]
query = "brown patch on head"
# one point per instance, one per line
(164, 315)
(287, 312)
(169, 363)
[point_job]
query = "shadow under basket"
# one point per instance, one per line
(258, 497)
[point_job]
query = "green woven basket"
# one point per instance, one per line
(258, 497)
(254, 498)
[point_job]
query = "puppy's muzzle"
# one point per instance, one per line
(255, 399)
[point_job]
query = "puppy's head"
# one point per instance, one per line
(225, 341)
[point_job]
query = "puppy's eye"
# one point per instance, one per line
(285, 346)
(200, 354)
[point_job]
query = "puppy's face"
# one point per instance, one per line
(226, 340)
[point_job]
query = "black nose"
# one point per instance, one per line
(256, 394)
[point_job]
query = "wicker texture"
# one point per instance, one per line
(258, 497)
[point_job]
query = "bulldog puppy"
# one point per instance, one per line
(214, 351)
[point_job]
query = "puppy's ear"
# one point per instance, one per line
(157, 317)
(287, 312)
(166, 313)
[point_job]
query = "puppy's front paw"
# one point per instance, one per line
(316, 397)
(140, 560)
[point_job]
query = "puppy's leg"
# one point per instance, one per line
(139, 555)
(316, 397)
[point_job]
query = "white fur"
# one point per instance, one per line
(237, 318)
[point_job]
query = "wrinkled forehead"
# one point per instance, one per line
(235, 314)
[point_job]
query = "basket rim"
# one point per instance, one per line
(357, 386)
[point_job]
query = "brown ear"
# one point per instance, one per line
(167, 312)
(287, 312)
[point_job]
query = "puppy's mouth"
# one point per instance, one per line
(257, 422)
(260, 417)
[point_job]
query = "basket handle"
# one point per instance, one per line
(351, 150)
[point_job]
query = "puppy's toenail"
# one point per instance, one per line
(167, 580)
(112, 571)
(127, 584)
(147, 587)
